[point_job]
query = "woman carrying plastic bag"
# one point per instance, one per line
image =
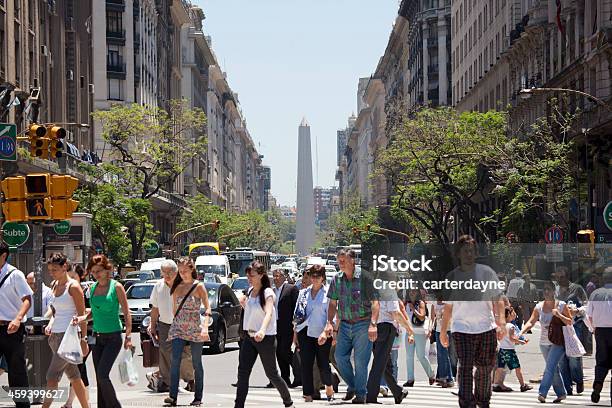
(127, 369)
(67, 343)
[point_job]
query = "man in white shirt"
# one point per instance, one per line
(47, 294)
(599, 313)
(16, 299)
(162, 314)
(478, 321)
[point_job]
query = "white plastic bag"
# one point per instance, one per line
(573, 346)
(70, 347)
(127, 370)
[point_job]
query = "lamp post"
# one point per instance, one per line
(527, 92)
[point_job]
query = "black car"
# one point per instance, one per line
(225, 309)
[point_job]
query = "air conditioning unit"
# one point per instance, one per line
(44, 50)
(70, 75)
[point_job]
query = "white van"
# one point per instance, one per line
(153, 265)
(214, 264)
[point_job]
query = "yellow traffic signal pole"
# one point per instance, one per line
(214, 224)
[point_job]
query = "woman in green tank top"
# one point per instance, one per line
(106, 296)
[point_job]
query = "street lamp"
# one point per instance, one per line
(527, 92)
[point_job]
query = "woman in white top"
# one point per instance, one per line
(416, 308)
(260, 326)
(543, 312)
(67, 302)
(310, 318)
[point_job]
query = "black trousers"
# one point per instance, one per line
(382, 364)
(284, 355)
(309, 350)
(603, 353)
(104, 354)
(12, 346)
(266, 350)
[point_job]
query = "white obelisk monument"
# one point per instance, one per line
(305, 222)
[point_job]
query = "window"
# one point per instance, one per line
(491, 11)
(480, 64)
(461, 14)
(470, 38)
(465, 42)
(479, 25)
(114, 21)
(486, 20)
(486, 59)
(497, 43)
(496, 7)
(115, 89)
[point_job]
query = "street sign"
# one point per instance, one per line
(607, 215)
(8, 142)
(75, 234)
(152, 249)
(62, 227)
(553, 235)
(15, 234)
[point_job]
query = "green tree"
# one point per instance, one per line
(149, 148)
(340, 225)
(113, 214)
(435, 163)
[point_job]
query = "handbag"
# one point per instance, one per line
(555, 332)
(299, 316)
(573, 346)
(415, 320)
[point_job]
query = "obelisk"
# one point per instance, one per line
(305, 222)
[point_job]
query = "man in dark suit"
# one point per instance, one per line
(286, 298)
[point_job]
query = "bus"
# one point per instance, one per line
(239, 260)
(201, 249)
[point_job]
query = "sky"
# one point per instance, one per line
(289, 59)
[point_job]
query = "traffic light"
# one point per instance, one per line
(586, 243)
(39, 143)
(14, 206)
(39, 197)
(62, 189)
(56, 138)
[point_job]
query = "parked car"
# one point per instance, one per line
(137, 277)
(240, 285)
(225, 324)
(138, 295)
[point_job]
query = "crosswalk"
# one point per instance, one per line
(421, 395)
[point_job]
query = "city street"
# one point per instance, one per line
(220, 372)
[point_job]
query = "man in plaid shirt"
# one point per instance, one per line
(354, 301)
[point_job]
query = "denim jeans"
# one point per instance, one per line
(571, 372)
(394, 357)
(104, 353)
(552, 375)
(196, 358)
(444, 363)
(417, 347)
(354, 337)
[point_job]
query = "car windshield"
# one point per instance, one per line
(240, 284)
(209, 277)
(216, 269)
(139, 292)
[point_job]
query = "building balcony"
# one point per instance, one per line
(116, 5)
(115, 69)
(114, 36)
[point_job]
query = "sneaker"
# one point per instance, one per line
(196, 403)
(409, 383)
(579, 388)
(448, 384)
(432, 380)
(384, 391)
(526, 387)
(358, 400)
(349, 396)
(559, 399)
(542, 399)
(169, 402)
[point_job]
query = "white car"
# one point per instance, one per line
(214, 264)
(138, 301)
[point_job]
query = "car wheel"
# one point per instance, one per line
(219, 346)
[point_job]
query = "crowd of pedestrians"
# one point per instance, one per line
(307, 329)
